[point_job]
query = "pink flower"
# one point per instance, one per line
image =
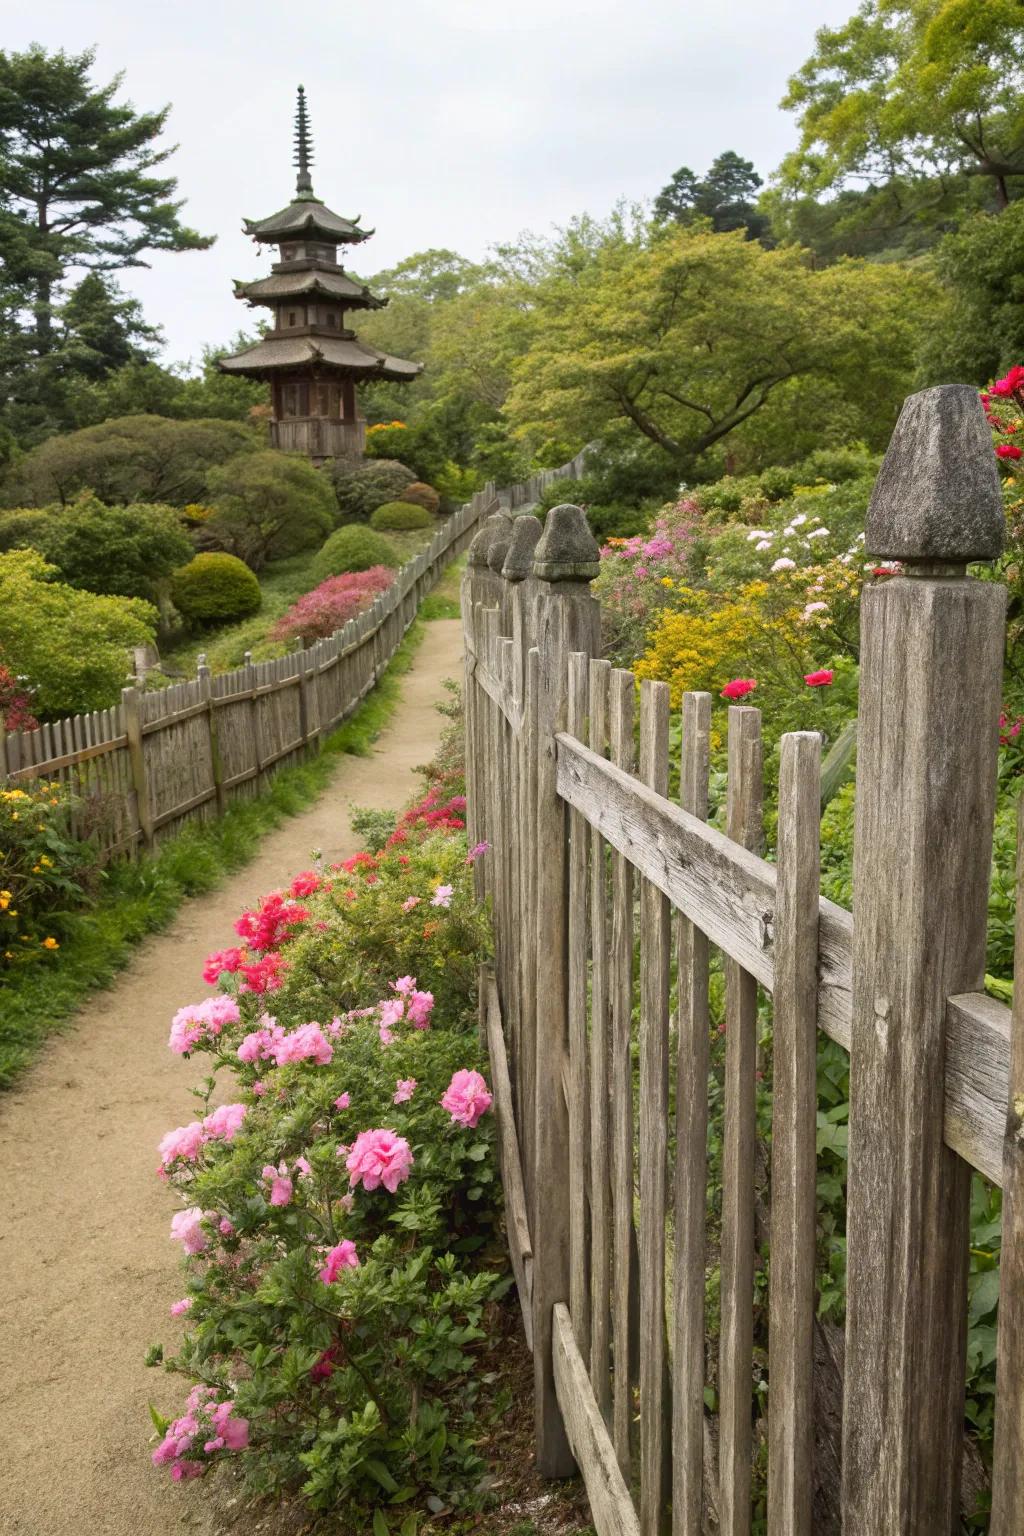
(225, 1228)
(178, 1308)
(466, 1098)
(343, 1101)
(410, 902)
(477, 851)
(186, 1229)
(403, 985)
(263, 975)
(259, 1089)
(379, 1157)
(784, 563)
(226, 1121)
(442, 896)
(1008, 451)
(304, 1044)
(201, 1021)
(185, 1142)
(739, 687)
(302, 1168)
(641, 570)
(305, 883)
(280, 1184)
(420, 1008)
(221, 960)
(404, 1090)
(233, 1433)
(819, 679)
(344, 1256)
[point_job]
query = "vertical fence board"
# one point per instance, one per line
(579, 1113)
(600, 1173)
(737, 1263)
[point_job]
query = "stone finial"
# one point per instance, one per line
(937, 495)
(526, 531)
(567, 550)
(480, 547)
(497, 549)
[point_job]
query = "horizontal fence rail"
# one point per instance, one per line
(161, 758)
(613, 905)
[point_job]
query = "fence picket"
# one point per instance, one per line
(737, 1261)
(600, 1176)
(579, 1113)
(692, 1062)
(794, 1133)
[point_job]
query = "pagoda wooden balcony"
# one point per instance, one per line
(319, 437)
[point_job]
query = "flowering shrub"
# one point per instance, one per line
(15, 713)
(639, 576)
(42, 871)
(330, 605)
(339, 1209)
(1003, 404)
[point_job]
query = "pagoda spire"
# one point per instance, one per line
(303, 147)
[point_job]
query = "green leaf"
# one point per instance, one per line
(380, 1525)
(379, 1471)
(984, 1289)
(159, 1422)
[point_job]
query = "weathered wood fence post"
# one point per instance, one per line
(131, 715)
(930, 683)
(566, 560)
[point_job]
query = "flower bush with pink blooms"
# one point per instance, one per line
(338, 1199)
(330, 605)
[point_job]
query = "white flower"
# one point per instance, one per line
(763, 545)
(758, 533)
(784, 565)
(818, 533)
(789, 530)
(801, 517)
(813, 608)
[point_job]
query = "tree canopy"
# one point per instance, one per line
(726, 195)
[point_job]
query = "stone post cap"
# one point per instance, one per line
(567, 550)
(480, 547)
(498, 545)
(937, 496)
(526, 531)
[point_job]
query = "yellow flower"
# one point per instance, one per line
(46, 862)
(50, 943)
(37, 869)
(667, 581)
(6, 897)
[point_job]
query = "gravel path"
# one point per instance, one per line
(87, 1271)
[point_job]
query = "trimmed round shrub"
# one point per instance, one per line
(363, 485)
(400, 515)
(213, 588)
(422, 495)
(352, 549)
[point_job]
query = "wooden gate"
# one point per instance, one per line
(609, 899)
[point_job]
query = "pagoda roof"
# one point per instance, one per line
(341, 354)
(285, 285)
(306, 215)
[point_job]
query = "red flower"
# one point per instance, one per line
(1008, 451)
(739, 687)
(819, 679)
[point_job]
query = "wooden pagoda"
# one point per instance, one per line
(311, 358)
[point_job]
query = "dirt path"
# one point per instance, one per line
(87, 1271)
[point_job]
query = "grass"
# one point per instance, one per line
(142, 897)
(281, 583)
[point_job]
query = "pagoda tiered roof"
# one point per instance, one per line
(306, 215)
(330, 354)
(304, 279)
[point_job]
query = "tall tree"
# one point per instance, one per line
(726, 196)
(913, 91)
(76, 182)
(102, 329)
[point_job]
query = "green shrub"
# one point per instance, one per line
(213, 588)
(127, 551)
(42, 869)
(400, 515)
(363, 485)
(24, 528)
(352, 549)
(422, 495)
(268, 505)
(72, 646)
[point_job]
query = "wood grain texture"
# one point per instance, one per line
(620, 983)
(692, 1060)
(579, 1076)
(600, 1118)
(610, 1504)
(1008, 1460)
(931, 673)
(517, 1225)
(794, 1140)
(655, 957)
(735, 1358)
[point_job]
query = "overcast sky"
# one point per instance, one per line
(453, 123)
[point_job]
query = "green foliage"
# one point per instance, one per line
(130, 459)
(400, 515)
(372, 826)
(24, 528)
(706, 343)
(911, 89)
(352, 549)
(72, 646)
(983, 264)
(268, 505)
(215, 588)
(143, 386)
(128, 551)
(363, 485)
(421, 495)
(726, 196)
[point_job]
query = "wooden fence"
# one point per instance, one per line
(158, 758)
(591, 865)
